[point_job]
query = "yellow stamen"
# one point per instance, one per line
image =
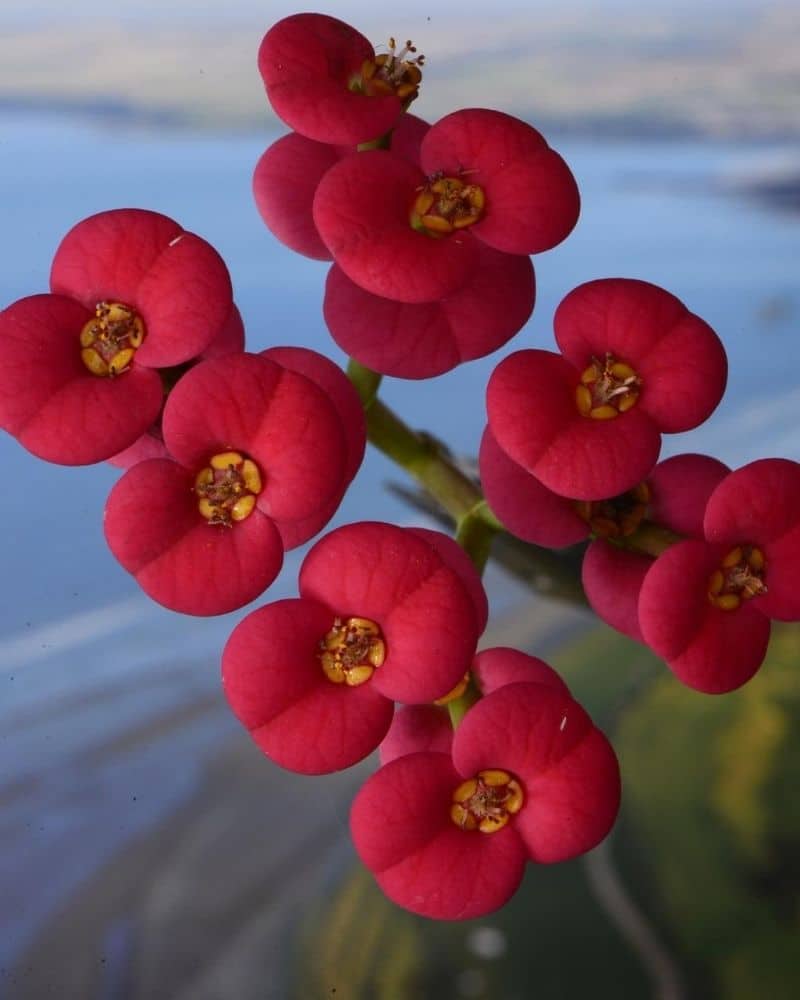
(109, 340)
(607, 388)
(351, 651)
(445, 204)
(227, 488)
(604, 412)
(740, 577)
(486, 802)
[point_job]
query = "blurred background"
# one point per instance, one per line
(147, 849)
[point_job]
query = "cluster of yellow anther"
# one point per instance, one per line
(487, 801)
(445, 204)
(351, 651)
(392, 72)
(740, 577)
(607, 388)
(618, 517)
(227, 488)
(109, 341)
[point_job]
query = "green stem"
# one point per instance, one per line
(474, 534)
(366, 382)
(425, 459)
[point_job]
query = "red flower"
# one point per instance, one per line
(635, 364)
(429, 338)
(530, 778)
(526, 507)
(401, 233)
(674, 497)
(288, 173)
(532, 200)
(132, 292)
(385, 613)
(705, 606)
(325, 81)
(257, 452)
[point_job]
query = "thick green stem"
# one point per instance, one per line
(426, 460)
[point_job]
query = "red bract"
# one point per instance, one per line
(401, 232)
(382, 616)
(174, 280)
(324, 80)
(427, 608)
(527, 508)
(132, 292)
(339, 390)
(362, 211)
(532, 200)
(705, 605)
(288, 173)
(417, 729)
(674, 497)
(426, 339)
(530, 777)
(256, 450)
(635, 363)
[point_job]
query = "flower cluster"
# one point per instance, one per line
(136, 356)
(430, 238)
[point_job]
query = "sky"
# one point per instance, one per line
(270, 10)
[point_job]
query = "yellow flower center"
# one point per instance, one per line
(351, 651)
(487, 801)
(227, 488)
(109, 341)
(393, 72)
(607, 388)
(445, 204)
(739, 578)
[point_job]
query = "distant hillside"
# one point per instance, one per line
(636, 73)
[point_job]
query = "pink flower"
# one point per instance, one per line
(705, 605)
(132, 293)
(384, 613)
(258, 453)
(530, 778)
(635, 363)
(325, 81)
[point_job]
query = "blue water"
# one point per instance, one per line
(85, 657)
